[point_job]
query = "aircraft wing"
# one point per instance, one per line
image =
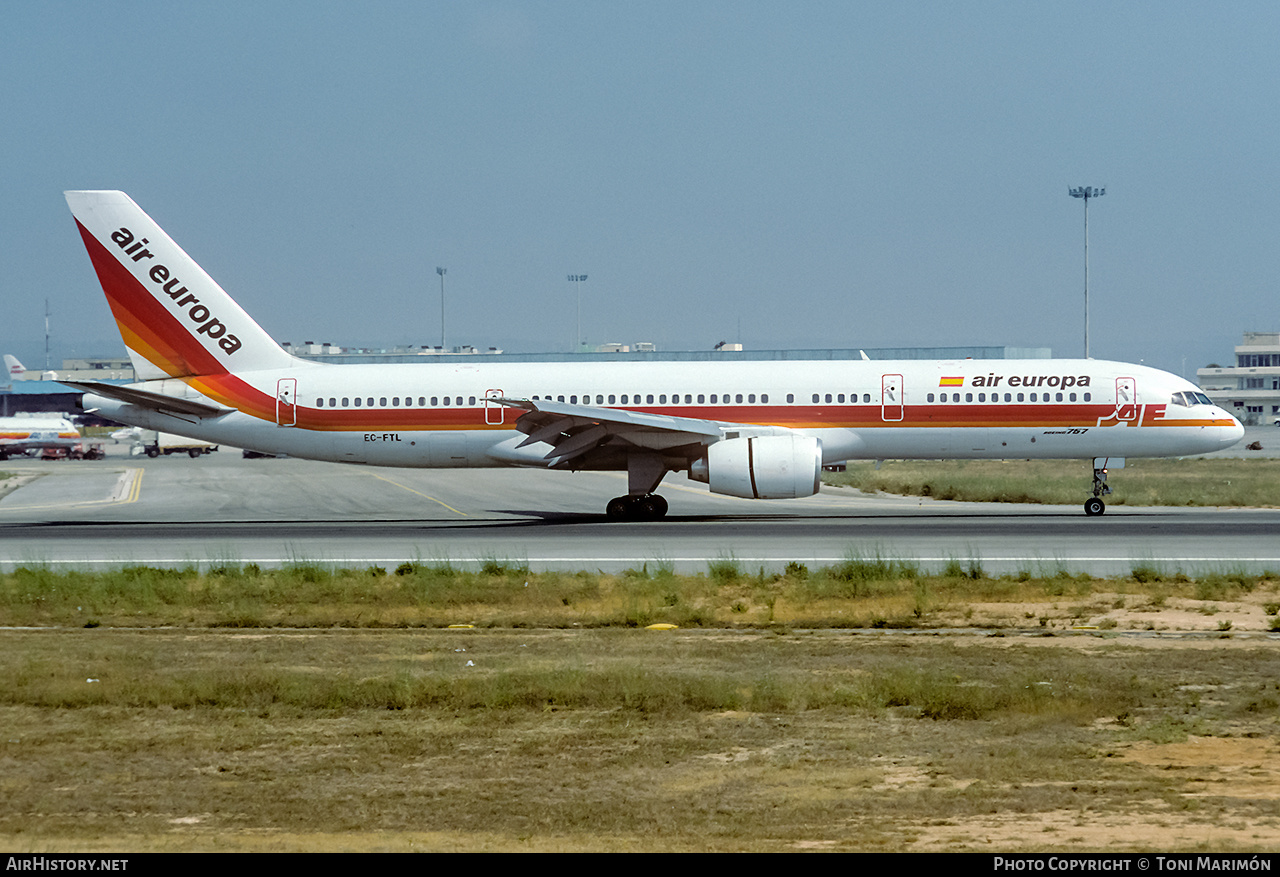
(575, 431)
(160, 402)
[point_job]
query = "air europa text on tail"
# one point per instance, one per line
(206, 323)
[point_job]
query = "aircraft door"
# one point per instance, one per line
(891, 398)
(493, 412)
(1126, 399)
(286, 402)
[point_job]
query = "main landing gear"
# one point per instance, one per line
(644, 473)
(1094, 505)
(647, 507)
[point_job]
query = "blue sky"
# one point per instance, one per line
(800, 174)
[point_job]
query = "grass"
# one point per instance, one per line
(1146, 482)
(863, 590)
(230, 707)
(160, 739)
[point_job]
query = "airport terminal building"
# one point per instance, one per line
(1250, 388)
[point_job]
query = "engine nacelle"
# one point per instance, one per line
(762, 467)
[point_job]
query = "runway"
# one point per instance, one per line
(224, 509)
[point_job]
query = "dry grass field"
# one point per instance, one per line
(864, 707)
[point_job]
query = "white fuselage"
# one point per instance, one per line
(437, 414)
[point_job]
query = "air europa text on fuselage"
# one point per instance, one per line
(206, 323)
(1057, 381)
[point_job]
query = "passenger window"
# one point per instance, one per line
(573, 400)
(764, 398)
(662, 399)
(344, 402)
(701, 398)
(435, 401)
(828, 397)
(840, 397)
(446, 400)
(791, 397)
(930, 397)
(611, 398)
(382, 403)
(866, 397)
(357, 401)
(319, 403)
(713, 398)
(599, 399)
(1072, 397)
(1020, 397)
(688, 398)
(968, 397)
(738, 398)
(471, 400)
(1059, 397)
(332, 401)
(648, 399)
(751, 398)
(1088, 397)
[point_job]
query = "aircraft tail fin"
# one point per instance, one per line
(175, 319)
(13, 369)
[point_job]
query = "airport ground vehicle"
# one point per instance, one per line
(155, 443)
(88, 451)
(751, 429)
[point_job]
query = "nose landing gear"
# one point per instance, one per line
(1094, 505)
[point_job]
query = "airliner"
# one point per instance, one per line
(34, 432)
(759, 430)
(14, 368)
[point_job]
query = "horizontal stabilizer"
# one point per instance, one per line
(160, 402)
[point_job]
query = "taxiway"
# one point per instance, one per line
(225, 509)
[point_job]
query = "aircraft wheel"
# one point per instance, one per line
(1094, 506)
(618, 508)
(653, 507)
(153, 452)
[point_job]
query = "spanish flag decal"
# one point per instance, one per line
(951, 382)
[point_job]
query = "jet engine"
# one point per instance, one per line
(762, 467)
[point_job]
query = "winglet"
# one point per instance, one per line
(175, 319)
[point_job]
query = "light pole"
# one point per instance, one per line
(1086, 192)
(441, 272)
(576, 280)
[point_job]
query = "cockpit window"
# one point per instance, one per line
(1189, 399)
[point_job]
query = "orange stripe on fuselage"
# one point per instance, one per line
(793, 416)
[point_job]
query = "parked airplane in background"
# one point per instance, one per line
(32, 432)
(750, 429)
(35, 432)
(13, 369)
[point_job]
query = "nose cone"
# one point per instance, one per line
(1229, 435)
